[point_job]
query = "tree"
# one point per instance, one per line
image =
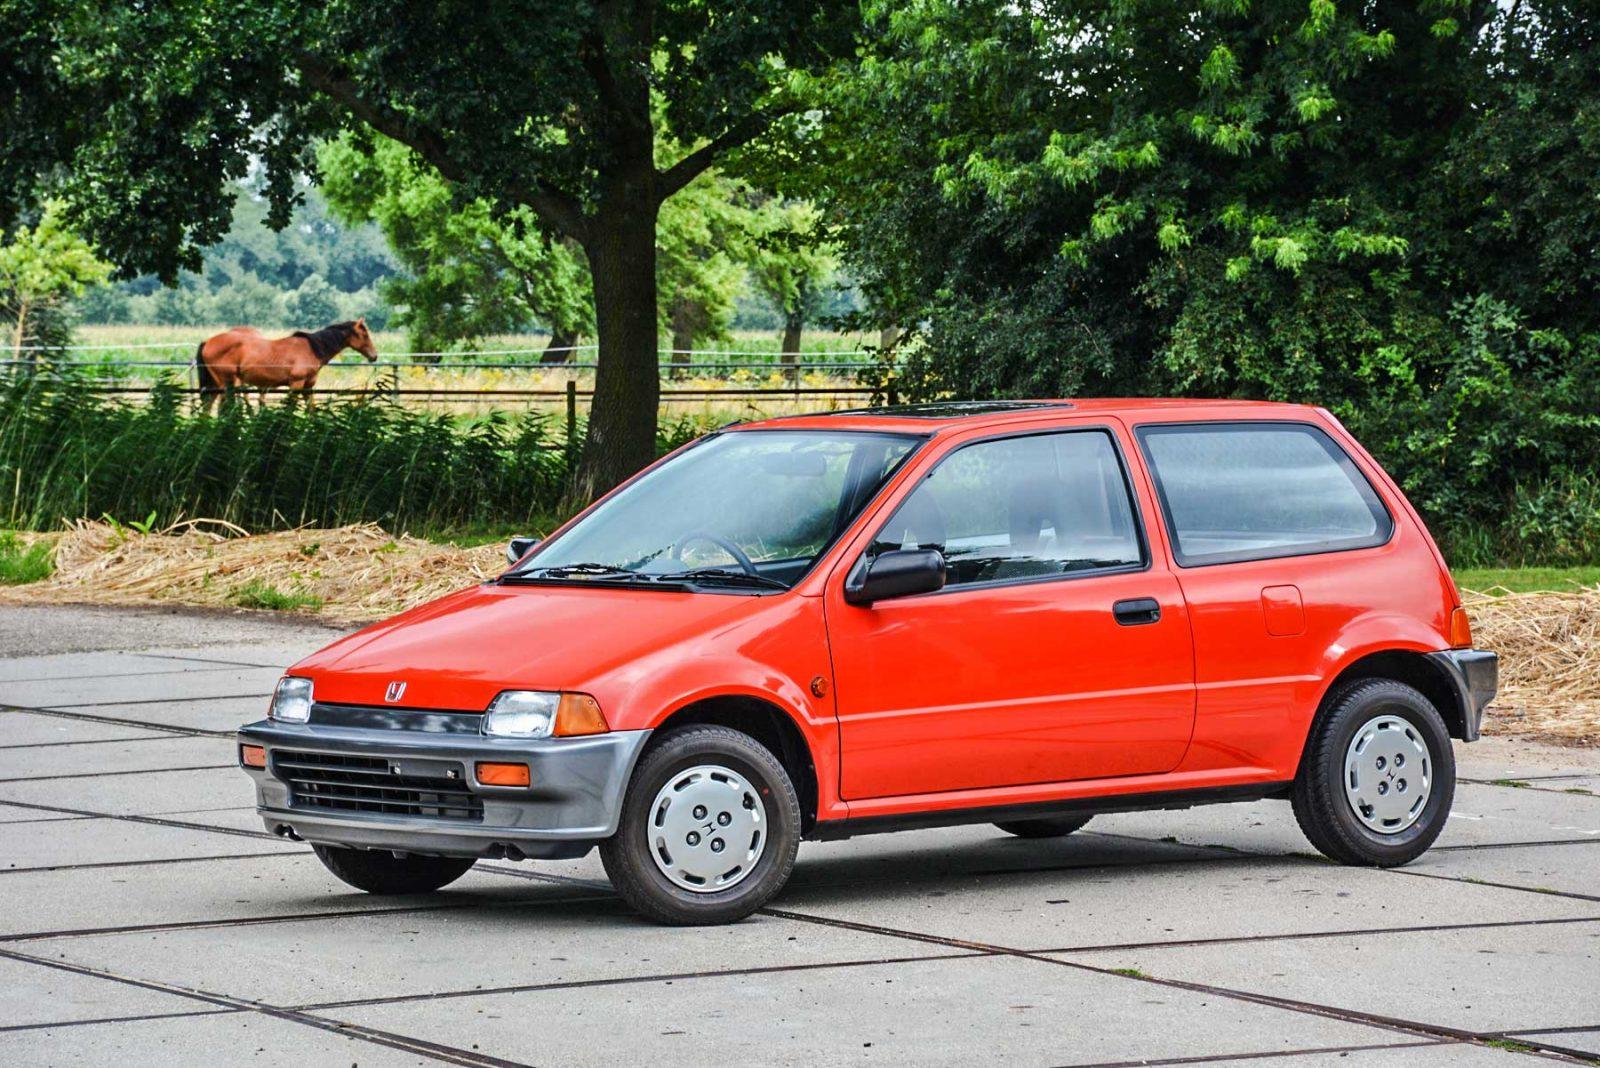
(1385, 208)
(41, 268)
(314, 305)
(470, 272)
(791, 267)
(552, 114)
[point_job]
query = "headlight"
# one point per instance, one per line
(522, 714)
(536, 714)
(291, 701)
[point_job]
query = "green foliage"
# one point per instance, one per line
(793, 266)
(22, 563)
(65, 453)
(473, 272)
(470, 272)
(1386, 209)
(42, 267)
(315, 271)
(258, 593)
(314, 302)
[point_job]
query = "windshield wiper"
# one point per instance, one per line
(722, 574)
(589, 571)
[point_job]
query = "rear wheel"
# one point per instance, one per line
(1378, 776)
(1047, 827)
(709, 831)
(381, 872)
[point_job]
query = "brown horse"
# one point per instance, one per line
(241, 357)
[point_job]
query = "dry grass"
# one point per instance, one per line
(1549, 643)
(1549, 646)
(347, 574)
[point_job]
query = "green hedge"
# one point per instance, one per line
(66, 453)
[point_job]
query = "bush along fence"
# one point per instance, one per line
(66, 454)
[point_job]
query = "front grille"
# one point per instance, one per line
(342, 782)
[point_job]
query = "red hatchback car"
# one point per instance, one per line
(1018, 613)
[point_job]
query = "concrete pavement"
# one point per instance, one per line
(148, 918)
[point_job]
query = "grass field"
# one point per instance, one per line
(1526, 579)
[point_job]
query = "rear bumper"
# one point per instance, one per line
(1474, 676)
(573, 800)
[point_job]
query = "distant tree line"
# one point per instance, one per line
(312, 272)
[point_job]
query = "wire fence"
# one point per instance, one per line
(405, 376)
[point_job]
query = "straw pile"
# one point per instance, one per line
(1549, 646)
(345, 574)
(1549, 643)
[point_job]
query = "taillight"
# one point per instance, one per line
(1460, 630)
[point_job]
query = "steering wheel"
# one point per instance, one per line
(720, 542)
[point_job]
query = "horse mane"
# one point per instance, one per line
(326, 343)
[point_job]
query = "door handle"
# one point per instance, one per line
(1137, 612)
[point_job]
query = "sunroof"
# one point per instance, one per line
(952, 409)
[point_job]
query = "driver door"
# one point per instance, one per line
(1056, 650)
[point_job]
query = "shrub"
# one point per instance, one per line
(67, 453)
(20, 563)
(260, 594)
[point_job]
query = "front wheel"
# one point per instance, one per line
(380, 872)
(1378, 776)
(709, 830)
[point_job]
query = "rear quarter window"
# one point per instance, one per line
(1253, 491)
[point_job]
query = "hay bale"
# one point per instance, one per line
(347, 574)
(1549, 646)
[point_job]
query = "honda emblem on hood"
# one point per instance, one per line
(395, 691)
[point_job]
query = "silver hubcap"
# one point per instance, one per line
(1387, 774)
(708, 828)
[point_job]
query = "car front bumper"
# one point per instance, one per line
(573, 800)
(1474, 676)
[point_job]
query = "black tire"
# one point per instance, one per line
(628, 857)
(381, 872)
(1046, 827)
(1328, 817)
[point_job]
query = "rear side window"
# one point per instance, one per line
(1019, 508)
(1252, 491)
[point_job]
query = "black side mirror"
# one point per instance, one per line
(519, 548)
(899, 573)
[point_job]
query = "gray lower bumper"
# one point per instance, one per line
(1475, 676)
(573, 800)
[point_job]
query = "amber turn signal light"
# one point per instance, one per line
(578, 713)
(253, 756)
(502, 774)
(1460, 629)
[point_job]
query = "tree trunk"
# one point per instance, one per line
(793, 323)
(685, 320)
(560, 348)
(888, 338)
(627, 390)
(22, 339)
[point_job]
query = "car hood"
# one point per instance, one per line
(460, 651)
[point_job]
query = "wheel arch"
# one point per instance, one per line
(1414, 667)
(770, 725)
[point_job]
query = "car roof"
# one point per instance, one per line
(941, 416)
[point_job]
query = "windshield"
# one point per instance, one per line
(760, 504)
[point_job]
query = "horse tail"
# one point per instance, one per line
(209, 386)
